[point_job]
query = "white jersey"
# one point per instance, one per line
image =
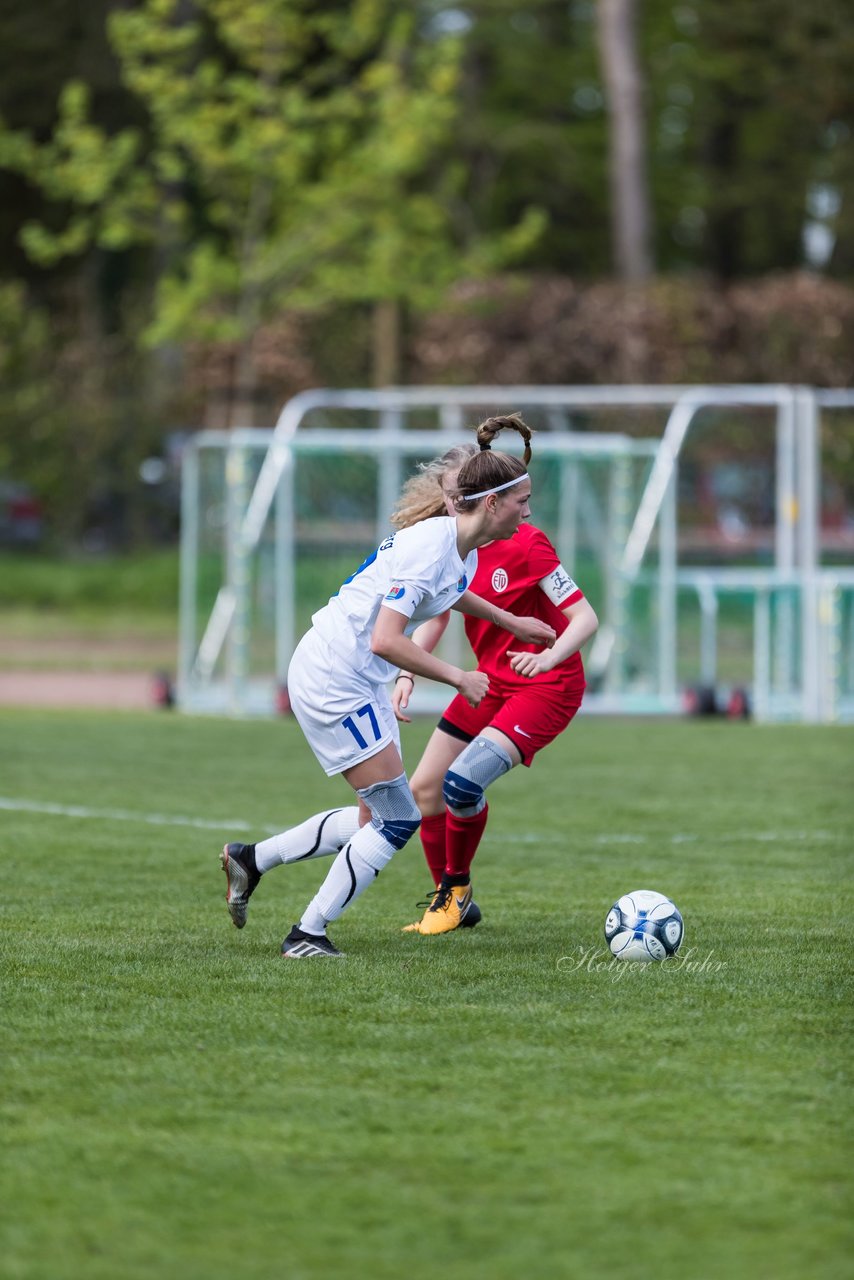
(417, 572)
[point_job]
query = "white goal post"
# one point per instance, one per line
(259, 525)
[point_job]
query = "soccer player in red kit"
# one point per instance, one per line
(533, 693)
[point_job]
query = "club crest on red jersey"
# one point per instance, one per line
(500, 580)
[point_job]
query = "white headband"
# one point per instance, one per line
(470, 497)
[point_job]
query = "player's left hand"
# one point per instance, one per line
(530, 664)
(400, 696)
(533, 631)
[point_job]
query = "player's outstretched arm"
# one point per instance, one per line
(528, 630)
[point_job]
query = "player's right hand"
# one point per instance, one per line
(474, 687)
(533, 631)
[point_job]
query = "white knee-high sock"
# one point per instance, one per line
(317, 837)
(357, 865)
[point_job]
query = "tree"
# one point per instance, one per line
(529, 140)
(291, 156)
(751, 113)
(629, 184)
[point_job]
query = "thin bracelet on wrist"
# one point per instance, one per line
(404, 675)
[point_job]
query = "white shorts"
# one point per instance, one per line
(345, 718)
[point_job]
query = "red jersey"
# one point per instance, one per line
(508, 574)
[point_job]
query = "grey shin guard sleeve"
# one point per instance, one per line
(394, 813)
(471, 773)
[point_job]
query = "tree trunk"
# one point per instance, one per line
(386, 342)
(629, 184)
(241, 410)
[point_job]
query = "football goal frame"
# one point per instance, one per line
(257, 506)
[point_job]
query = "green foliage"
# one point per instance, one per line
(362, 150)
(70, 423)
(291, 158)
(750, 110)
(532, 137)
(82, 163)
(508, 1086)
(23, 394)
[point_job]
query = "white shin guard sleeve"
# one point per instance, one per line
(349, 875)
(318, 837)
(395, 818)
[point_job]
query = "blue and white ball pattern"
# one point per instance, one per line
(644, 925)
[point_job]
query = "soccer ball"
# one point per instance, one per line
(643, 925)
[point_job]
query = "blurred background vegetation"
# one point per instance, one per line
(206, 206)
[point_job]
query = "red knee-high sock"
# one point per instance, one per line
(461, 841)
(432, 832)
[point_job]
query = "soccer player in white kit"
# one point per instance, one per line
(337, 684)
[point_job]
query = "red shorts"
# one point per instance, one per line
(530, 720)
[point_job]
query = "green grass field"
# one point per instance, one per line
(178, 1101)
